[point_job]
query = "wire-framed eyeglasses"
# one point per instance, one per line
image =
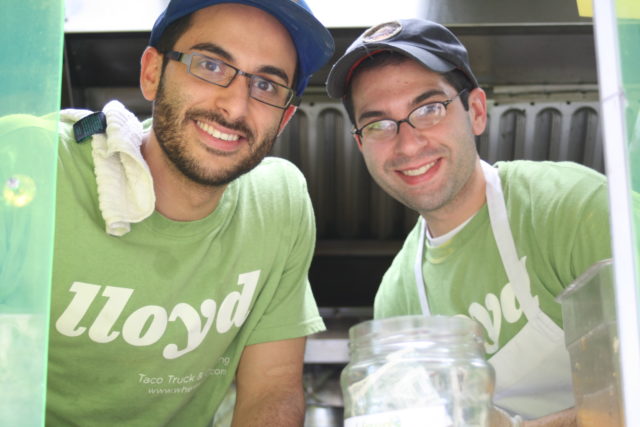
(220, 73)
(423, 117)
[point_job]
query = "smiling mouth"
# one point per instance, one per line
(216, 133)
(419, 171)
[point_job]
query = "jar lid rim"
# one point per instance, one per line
(434, 325)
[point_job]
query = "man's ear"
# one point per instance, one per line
(478, 110)
(288, 114)
(150, 72)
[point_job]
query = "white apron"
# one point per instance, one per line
(533, 371)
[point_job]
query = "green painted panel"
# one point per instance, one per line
(31, 38)
(629, 37)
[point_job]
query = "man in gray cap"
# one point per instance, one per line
(494, 243)
(181, 253)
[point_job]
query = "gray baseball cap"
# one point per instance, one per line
(425, 41)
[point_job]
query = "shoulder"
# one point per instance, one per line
(548, 172)
(273, 174)
(403, 261)
(555, 199)
(14, 122)
(26, 124)
(565, 182)
(277, 167)
(28, 135)
(276, 183)
(396, 295)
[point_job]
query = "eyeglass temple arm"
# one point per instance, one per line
(176, 56)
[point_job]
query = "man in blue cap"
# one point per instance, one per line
(494, 243)
(181, 253)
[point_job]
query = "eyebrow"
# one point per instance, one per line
(420, 99)
(228, 57)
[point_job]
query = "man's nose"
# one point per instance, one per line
(233, 100)
(409, 139)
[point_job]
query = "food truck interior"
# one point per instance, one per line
(536, 61)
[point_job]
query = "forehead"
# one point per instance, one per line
(253, 37)
(395, 73)
(394, 82)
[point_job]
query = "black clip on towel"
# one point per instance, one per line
(90, 125)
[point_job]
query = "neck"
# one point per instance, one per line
(177, 197)
(466, 203)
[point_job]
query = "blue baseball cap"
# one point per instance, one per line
(314, 43)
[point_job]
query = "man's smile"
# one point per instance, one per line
(216, 133)
(418, 171)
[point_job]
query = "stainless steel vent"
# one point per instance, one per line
(544, 131)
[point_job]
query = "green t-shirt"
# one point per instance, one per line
(148, 328)
(559, 217)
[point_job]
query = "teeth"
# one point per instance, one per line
(419, 171)
(215, 133)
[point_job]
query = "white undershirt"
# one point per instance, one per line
(434, 242)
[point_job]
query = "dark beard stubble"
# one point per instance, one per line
(168, 126)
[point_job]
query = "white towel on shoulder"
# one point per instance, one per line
(125, 184)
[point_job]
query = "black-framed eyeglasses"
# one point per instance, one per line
(423, 117)
(220, 73)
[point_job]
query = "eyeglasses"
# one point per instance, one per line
(423, 117)
(220, 73)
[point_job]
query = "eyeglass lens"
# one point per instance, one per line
(421, 118)
(222, 74)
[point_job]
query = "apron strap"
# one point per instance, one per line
(422, 293)
(515, 269)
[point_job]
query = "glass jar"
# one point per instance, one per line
(416, 371)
